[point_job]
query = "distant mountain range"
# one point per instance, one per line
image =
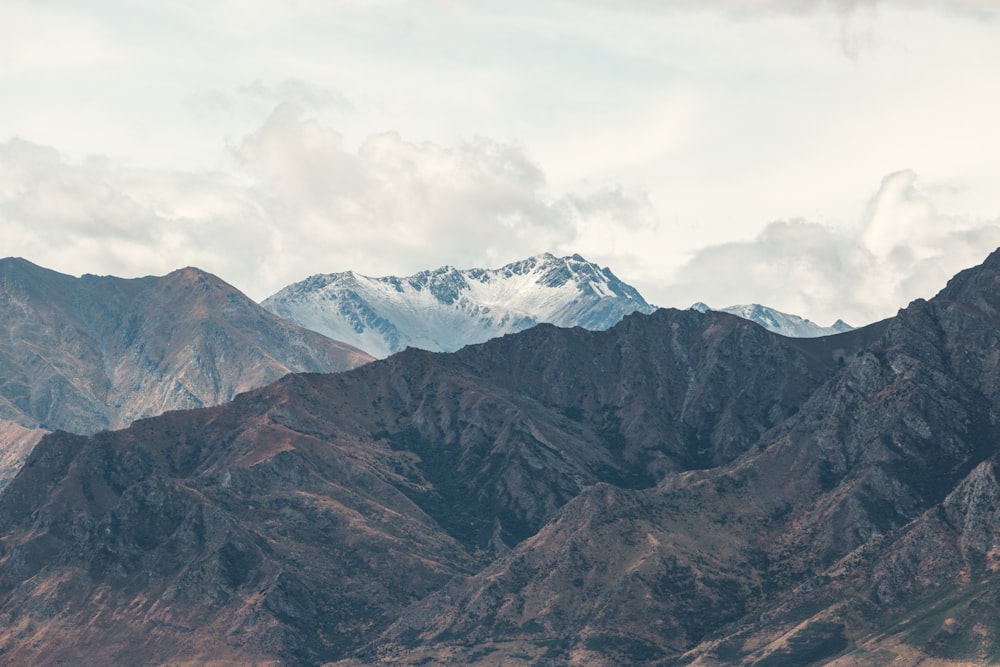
(93, 353)
(684, 488)
(777, 321)
(447, 308)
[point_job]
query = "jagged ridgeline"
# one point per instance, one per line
(447, 308)
(684, 488)
(783, 323)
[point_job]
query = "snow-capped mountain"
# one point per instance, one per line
(448, 308)
(779, 322)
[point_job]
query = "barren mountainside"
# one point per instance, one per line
(91, 353)
(684, 488)
(16, 442)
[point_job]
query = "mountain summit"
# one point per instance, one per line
(447, 308)
(97, 352)
(777, 321)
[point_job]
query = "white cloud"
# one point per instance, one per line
(904, 249)
(297, 201)
(94, 217)
(391, 199)
(393, 206)
(718, 115)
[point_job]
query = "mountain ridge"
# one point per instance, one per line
(446, 308)
(778, 322)
(96, 352)
(683, 488)
(481, 462)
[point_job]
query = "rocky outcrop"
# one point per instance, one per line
(16, 442)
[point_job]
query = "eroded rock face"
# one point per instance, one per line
(684, 488)
(16, 442)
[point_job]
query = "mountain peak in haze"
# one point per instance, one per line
(96, 352)
(447, 308)
(780, 323)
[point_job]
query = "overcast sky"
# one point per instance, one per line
(830, 159)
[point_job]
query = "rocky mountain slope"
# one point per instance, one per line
(447, 308)
(92, 353)
(779, 322)
(683, 489)
(16, 442)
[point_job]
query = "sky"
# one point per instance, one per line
(832, 159)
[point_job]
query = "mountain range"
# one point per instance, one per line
(779, 322)
(445, 309)
(684, 488)
(90, 353)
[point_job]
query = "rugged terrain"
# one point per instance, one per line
(683, 488)
(16, 442)
(447, 308)
(92, 353)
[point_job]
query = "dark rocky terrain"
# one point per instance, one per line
(682, 489)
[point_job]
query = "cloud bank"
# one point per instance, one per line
(295, 200)
(903, 249)
(729, 114)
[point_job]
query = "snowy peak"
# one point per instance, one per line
(447, 308)
(785, 324)
(445, 284)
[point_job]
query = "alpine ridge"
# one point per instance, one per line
(684, 488)
(777, 321)
(448, 308)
